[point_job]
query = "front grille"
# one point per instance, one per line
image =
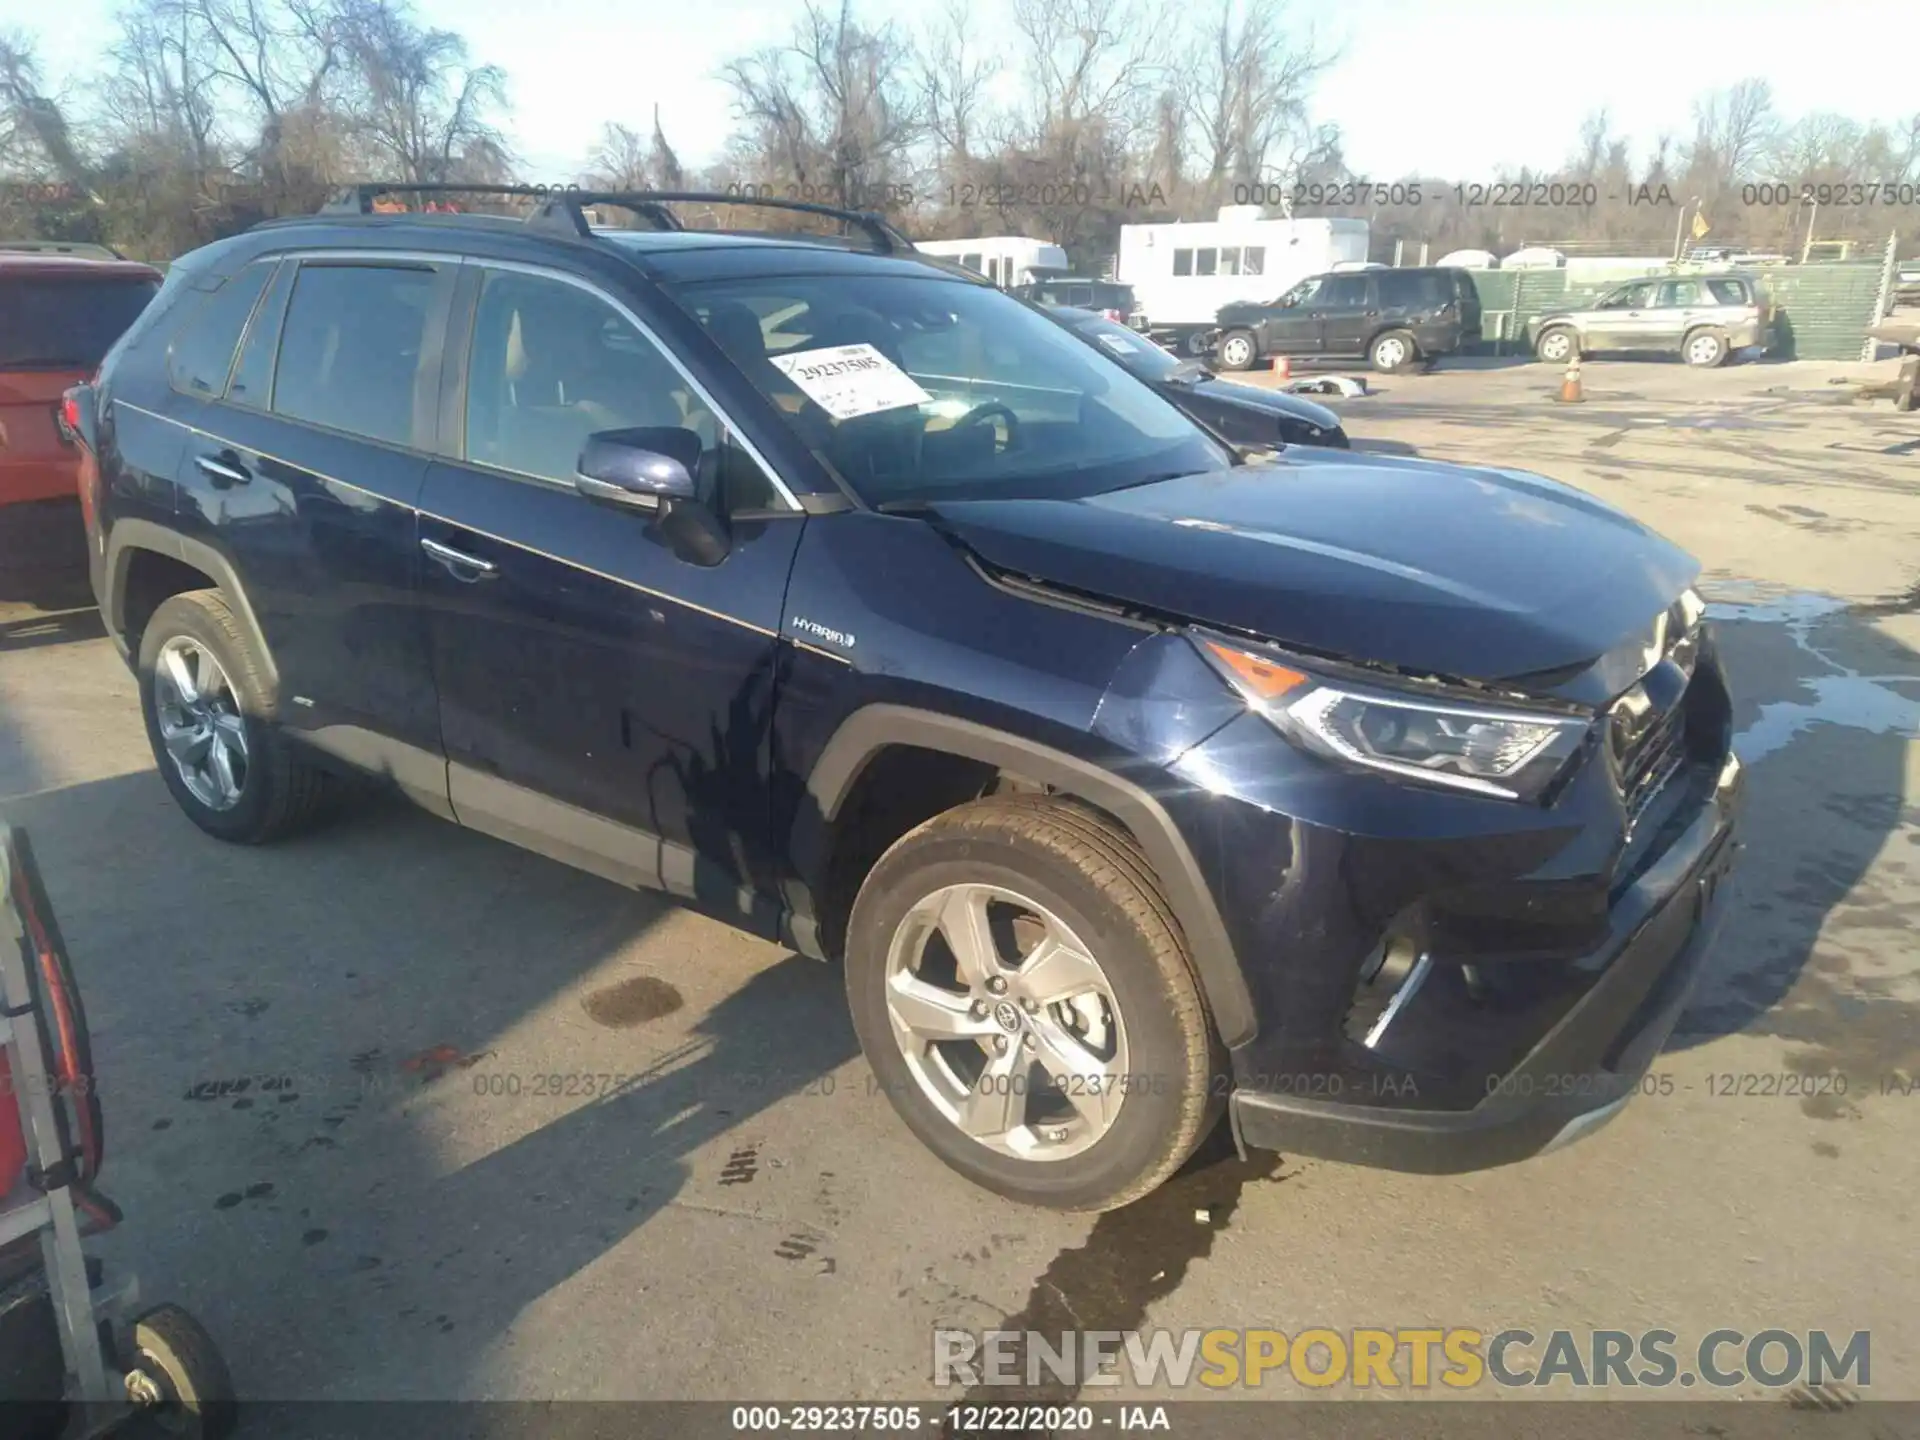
(1653, 762)
(1647, 731)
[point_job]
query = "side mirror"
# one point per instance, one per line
(638, 469)
(650, 470)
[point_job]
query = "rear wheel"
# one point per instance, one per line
(1025, 1000)
(1704, 349)
(1194, 344)
(1238, 350)
(1392, 351)
(209, 712)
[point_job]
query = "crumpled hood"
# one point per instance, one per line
(1475, 573)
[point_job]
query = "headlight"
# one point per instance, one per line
(1513, 754)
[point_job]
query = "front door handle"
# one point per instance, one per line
(222, 468)
(460, 565)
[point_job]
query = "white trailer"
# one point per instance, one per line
(1183, 272)
(1006, 260)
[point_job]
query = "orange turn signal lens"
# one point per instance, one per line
(1261, 678)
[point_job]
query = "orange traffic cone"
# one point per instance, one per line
(1282, 368)
(1570, 385)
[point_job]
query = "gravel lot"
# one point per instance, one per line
(418, 1210)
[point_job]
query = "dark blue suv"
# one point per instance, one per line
(1382, 805)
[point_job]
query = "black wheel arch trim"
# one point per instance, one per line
(131, 536)
(871, 729)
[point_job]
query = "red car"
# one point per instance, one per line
(59, 314)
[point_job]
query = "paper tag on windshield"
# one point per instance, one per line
(851, 380)
(1118, 345)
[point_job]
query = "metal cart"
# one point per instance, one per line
(71, 1364)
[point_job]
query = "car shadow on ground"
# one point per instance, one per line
(270, 1072)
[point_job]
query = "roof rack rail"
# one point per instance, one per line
(563, 209)
(358, 199)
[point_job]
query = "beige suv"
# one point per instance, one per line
(1701, 318)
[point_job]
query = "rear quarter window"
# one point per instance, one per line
(202, 350)
(1730, 292)
(66, 322)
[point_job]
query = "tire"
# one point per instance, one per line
(1238, 350)
(279, 792)
(1705, 349)
(1098, 886)
(1556, 346)
(1392, 351)
(1193, 345)
(174, 1351)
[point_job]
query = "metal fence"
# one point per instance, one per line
(1824, 310)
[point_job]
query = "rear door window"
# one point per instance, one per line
(201, 354)
(351, 348)
(66, 322)
(1679, 294)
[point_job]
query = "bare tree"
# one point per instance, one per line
(661, 159)
(1734, 129)
(32, 122)
(1247, 87)
(418, 104)
(1087, 61)
(619, 160)
(953, 81)
(835, 108)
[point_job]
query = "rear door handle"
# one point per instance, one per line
(459, 564)
(220, 467)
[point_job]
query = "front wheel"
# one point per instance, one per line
(1023, 996)
(1393, 351)
(1238, 350)
(1556, 347)
(1194, 344)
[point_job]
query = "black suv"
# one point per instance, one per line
(1379, 803)
(1391, 318)
(1107, 298)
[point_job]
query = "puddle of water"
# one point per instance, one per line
(1843, 696)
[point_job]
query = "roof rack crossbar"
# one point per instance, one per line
(565, 206)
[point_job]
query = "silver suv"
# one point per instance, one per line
(1701, 318)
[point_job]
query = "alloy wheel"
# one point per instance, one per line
(1237, 352)
(1556, 347)
(1007, 1022)
(1703, 349)
(200, 723)
(1390, 353)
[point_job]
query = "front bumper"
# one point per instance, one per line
(1584, 1069)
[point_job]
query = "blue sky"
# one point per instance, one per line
(1459, 89)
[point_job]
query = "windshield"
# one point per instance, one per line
(1129, 347)
(919, 388)
(65, 324)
